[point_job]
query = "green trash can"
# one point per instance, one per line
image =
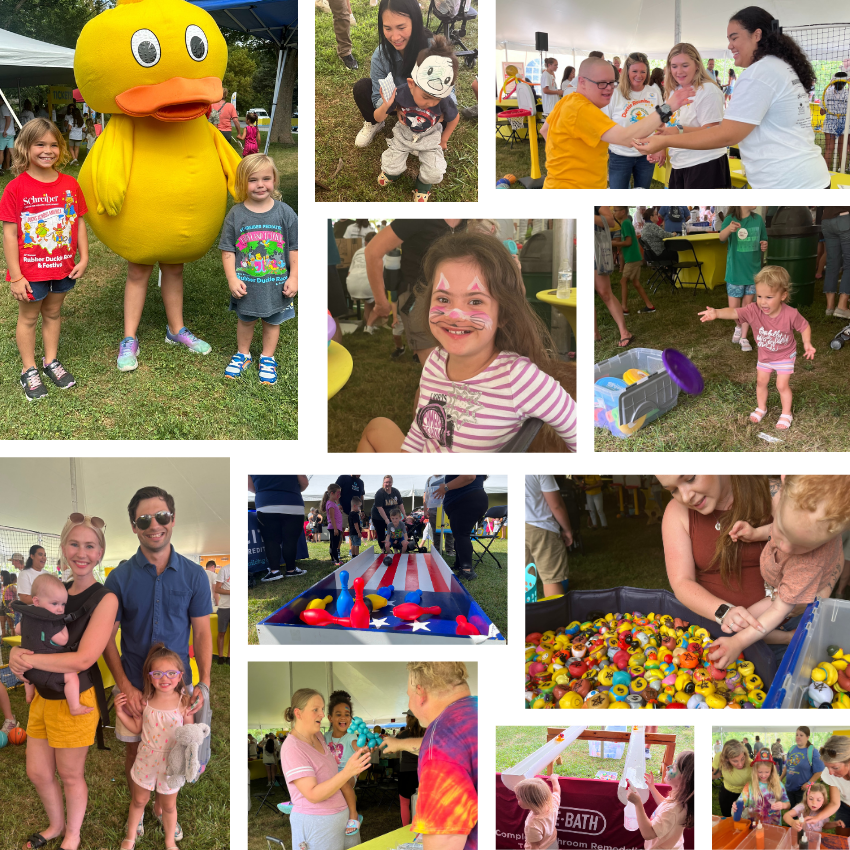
(536, 261)
(793, 244)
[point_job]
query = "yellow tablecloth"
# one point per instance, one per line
(340, 365)
(566, 306)
(390, 840)
(711, 252)
(256, 769)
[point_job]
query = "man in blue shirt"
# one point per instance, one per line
(161, 596)
(674, 218)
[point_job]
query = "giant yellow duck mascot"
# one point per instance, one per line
(156, 181)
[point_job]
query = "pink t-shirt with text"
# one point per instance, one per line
(774, 337)
(299, 761)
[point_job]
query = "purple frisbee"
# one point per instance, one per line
(682, 371)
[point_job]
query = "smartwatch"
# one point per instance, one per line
(664, 112)
(721, 612)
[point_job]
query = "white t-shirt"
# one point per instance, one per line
(355, 231)
(211, 576)
(358, 280)
(705, 108)
(568, 86)
(224, 578)
(839, 782)
(627, 111)
(26, 115)
(75, 134)
(4, 114)
(780, 153)
(25, 580)
(547, 80)
(537, 510)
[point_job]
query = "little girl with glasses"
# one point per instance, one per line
(166, 710)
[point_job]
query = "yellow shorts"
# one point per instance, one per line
(547, 550)
(51, 719)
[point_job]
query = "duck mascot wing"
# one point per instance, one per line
(156, 180)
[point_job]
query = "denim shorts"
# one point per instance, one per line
(279, 318)
(42, 288)
(735, 291)
(353, 540)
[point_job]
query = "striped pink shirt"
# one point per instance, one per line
(483, 413)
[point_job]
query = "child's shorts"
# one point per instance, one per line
(7, 142)
(223, 620)
(42, 288)
(546, 549)
(353, 540)
(51, 719)
(735, 291)
(396, 545)
(631, 271)
(781, 367)
(279, 318)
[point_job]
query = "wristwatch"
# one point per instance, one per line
(664, 112)
(721, 612)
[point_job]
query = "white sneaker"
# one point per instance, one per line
(736, 337)
(841, 314)
(830, 311)
(9, 725)
(367, 134)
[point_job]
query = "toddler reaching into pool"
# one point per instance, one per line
(806, 813)
(773, 323)
(802, 558)
(494, 363)
(542, 802)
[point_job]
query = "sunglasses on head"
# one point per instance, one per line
(828, 751)
(94, 521)
(144, 522)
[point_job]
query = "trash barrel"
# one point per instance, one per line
(536, 261)
(793, 244)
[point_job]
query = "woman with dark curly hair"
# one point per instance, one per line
(768, 117)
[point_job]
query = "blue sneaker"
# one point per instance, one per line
(268, 370)
(185, 337)
(127, 354)
(238, 364)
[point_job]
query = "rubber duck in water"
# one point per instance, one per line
(156, 181)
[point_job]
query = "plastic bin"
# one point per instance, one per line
(725, 835)
(624, 411)
(773, 838)
(791, 840)
(612, 749)
(824, 623)
(588, 604)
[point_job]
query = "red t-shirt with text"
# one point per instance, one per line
(47, 216)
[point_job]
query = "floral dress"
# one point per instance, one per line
(158, 727)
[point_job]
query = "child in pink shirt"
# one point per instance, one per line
(336, 524)
(773, 323)
(543, 803)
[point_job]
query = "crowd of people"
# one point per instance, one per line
(610, 126)
(58, 661)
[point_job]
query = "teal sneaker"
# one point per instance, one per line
(127, 354)
(185, 337)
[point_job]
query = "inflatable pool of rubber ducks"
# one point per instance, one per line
(634, 661)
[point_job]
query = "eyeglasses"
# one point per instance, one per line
(94, 521)
(169, 674)
(602, 84)
(143, 523)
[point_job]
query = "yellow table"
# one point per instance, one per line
(566, 306)
(340, 365)
(711, 252)
(256, 769)
(390, 840)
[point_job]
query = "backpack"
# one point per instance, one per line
(675, 214)
(215, 115)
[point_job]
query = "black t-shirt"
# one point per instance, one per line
(351, 486)
(387, 501)
(417, 234)
(354, 526)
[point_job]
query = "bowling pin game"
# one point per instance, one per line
(378, 599)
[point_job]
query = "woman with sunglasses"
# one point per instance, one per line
(836, 774)
(58, 741)
(634, 98)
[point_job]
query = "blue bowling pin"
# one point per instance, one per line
(414, 596)
(345, 601)
(386, 592)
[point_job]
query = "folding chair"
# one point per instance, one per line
(686, 246)
(449, 13)
(264, 800)
(274, 843)
(498, 512)
(661, 267)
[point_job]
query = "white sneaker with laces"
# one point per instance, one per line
(367, 134)
(736, 336)
(9, 725)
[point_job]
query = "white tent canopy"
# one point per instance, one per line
(378, 689)
(28, 62)
(38, 494)
(639, 25)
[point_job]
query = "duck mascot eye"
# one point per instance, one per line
(156, 181)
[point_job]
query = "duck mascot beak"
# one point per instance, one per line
(177, 99)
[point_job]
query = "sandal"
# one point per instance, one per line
(784, 422)
(132, 845)
(353, 826)
(626, 341)
(757, 415)
(37, 840)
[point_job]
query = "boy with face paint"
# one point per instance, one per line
(427, 118)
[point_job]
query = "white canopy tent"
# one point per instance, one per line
(38, 494)
(378, 689)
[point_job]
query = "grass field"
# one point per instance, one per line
(202, 809)
(174, 394)
(514, 743)
(718, 419)
(489, 590)
(338, 121)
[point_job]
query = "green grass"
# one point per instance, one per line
(489, 590)
(202, 808)
(338, 121)
(351, 409)
(514, 743)
(173, 394)
(718, 420)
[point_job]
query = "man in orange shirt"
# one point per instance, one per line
(578, 132)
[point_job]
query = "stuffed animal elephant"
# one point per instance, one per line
(183, 763)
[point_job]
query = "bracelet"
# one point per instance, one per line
(16, 279)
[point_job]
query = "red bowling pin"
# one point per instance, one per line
(359, 613)
(412, 611)
(320, 617)
(464, 627)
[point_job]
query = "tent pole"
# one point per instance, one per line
(11, 111)
(73, 485)
(677, 26)
(844, 136)
(281, 61)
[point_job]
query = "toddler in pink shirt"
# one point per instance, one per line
(543, 803)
